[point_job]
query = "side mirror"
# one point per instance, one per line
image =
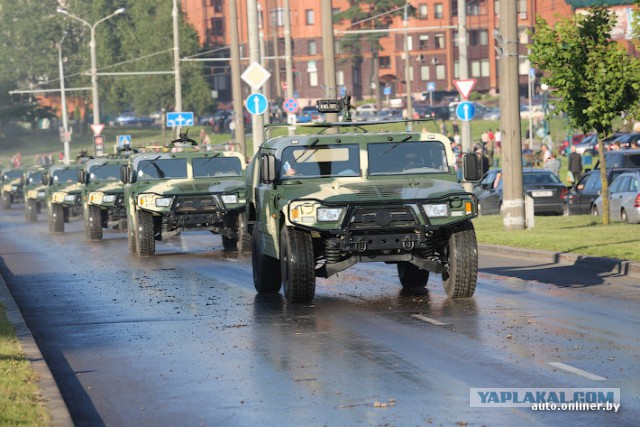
(268, 168)
(46, 179)
(82, 176)
(125, 174)
(471, 167)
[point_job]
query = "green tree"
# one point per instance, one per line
(593, 79)
(369, 15)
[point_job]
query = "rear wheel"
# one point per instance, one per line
(95, 223)
(243, 243)
(57, 219)
(412, 276)
(266, 270)
(297, 265)
(462, 274)
(594, 210)
(623, 216)
(32, 210)
(146, 239)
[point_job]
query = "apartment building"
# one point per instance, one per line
(432, 40)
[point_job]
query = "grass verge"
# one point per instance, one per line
(20, 402)
(580, 234)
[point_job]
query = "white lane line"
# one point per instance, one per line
(576, 371)
(428, 319)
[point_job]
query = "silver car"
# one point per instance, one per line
(624, 199)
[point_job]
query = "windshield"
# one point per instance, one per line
(34, 177)
(104, 173)
(407, 158)
(162, 168)
(13, 174)
(540, 178)
(320, 161)
(65, 175)
(217, 166)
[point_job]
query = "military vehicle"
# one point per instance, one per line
(166, 193)
(34, 193)
(11, 187)
(319, 203)
(63, 195)
(102, 196)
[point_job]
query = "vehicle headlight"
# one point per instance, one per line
(109, 198)
(69, 198)
(96, 197)
(164, 202)
(328, 214)
(14, 188)
(57, 197)
(434, 211)
(229, 198)
(41, 194)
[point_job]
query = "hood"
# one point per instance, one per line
(113, 187)
(177, 187)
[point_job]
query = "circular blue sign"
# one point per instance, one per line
(256, 103)
(290, 105)
(465, 111)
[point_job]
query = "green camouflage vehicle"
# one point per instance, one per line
(103, 196)
(34, 193)
(318, 204)
(63, 195)
(166, 193)
(11, 187)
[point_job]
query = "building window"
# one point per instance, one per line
(313, 78)
(480, 68)
(496, 7)
(456, 69)
(485, 70)
(385, 62)
(522, 9)
(277, 18)
(335, 10)
(456, 39)
(410, 73)
(423, 11)
(424, 42)
(217, 5)
(409, 42)
(337, 48)
(312, 48)
(478, 38)
(478, 7)
(308, 17)
(523, 66)
(524, 37)
(217, 26)
(425, 73)
(441, 72)
(340, 77)
(438, 12)
(439, 39)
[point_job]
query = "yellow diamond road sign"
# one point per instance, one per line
(255, 75)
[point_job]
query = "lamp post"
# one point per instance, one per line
(545, 107)
(92, 47)
(63, 100)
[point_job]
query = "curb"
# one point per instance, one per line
(54, 404)
(597, 264)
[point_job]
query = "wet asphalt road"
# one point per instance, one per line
(182, 339)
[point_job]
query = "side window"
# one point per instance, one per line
(593, 183)
(619, 184)
(634, 185)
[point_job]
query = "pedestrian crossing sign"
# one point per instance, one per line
(124, 141)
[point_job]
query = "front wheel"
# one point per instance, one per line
(297, 265)
(32, 210)
(146, 240)
(95, 223)
(6, 201)
(57, 219)
(411, 276)
(266, 271)
(460, 279)
(132, 236)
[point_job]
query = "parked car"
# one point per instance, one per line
(589, 144)
(492, 113)
(366, 108)
(388, 114)
(133, 119)
(544, 186)
(535, 112)
(624, 198)
(429, 111)
(310, 114)
(621, 159)
(581, 198)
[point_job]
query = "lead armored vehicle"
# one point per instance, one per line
(318, 204)
(167, 193)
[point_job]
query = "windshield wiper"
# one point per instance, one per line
(152, 162)
(395, 144)
(308, 147)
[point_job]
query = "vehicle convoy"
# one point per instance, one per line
(102, 196)
(34, 193)
(318, 204)
(63, 195)
(166, 193)
(11, 187)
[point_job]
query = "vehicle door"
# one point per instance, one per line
(616, 193)
(589, 193)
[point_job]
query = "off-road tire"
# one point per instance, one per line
(229, 244)
(122, 224)
(460, 279)
(57, 218)
(6, 201)
(95, 223)
(31, 210)
(411, 276)
(146, 240)
(266, 270)
(297, 265)
(243, 242)
(132, 236)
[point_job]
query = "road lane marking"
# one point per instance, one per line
(428, 319)
(576, 371)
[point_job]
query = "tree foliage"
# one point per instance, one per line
(592, 78)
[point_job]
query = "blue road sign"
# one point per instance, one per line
(180, 119)
(343, 90)
(386, 90)
(124, 141)
(290, 105)
(431, 86)
(465, 111)
(256, 103)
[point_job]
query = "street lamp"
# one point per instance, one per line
(92, 47)
(63, 100)
(545, 107)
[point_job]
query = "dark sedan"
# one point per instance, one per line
(542, 185)
(580, 199)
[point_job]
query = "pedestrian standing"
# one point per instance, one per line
(205, 141)
(575, 165)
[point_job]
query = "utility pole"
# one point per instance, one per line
(407, 67)
(513, 203)
(463, 61)
(63, 101)
(236, 85)
(288, 57)
(176, 57)
(328, 53)
(257, 120)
